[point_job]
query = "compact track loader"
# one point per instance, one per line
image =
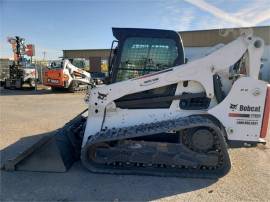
(67, 75)
(162, 116)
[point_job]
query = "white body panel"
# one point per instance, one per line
(241, 112)
(103, 112)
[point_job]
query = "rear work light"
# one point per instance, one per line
(66, 77)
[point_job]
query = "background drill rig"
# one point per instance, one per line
(19, 73)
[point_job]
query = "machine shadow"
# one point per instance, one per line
(77, 184)
(17, 148)
(138, 187)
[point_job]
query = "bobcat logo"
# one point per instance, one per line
(233, 107)
(101, 96)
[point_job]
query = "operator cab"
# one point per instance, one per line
(144, 51)
(77, 62)
(56, 65)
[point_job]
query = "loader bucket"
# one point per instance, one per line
(50, 152)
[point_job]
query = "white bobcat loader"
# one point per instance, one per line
(160, 116)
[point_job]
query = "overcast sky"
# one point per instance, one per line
(56, 25)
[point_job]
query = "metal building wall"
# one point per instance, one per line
(200, 38)
(86, 53)
(206, 38)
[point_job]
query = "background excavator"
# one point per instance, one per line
(159, 115)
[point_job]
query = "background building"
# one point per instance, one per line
(196, 44)
(98, 58)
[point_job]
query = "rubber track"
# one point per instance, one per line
(79, 89)
(155, 128)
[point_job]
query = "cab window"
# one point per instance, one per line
(142, 56)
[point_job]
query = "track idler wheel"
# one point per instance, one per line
(199, 139)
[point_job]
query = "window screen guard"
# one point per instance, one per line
(143, 55)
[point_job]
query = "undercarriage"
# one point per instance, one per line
(189, 147)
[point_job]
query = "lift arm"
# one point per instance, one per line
(201, 70)
(75, 71)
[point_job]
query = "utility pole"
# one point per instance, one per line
(44, 55)
(36, 70)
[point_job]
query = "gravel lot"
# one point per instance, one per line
(26, 113)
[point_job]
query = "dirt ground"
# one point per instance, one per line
(26, 113)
